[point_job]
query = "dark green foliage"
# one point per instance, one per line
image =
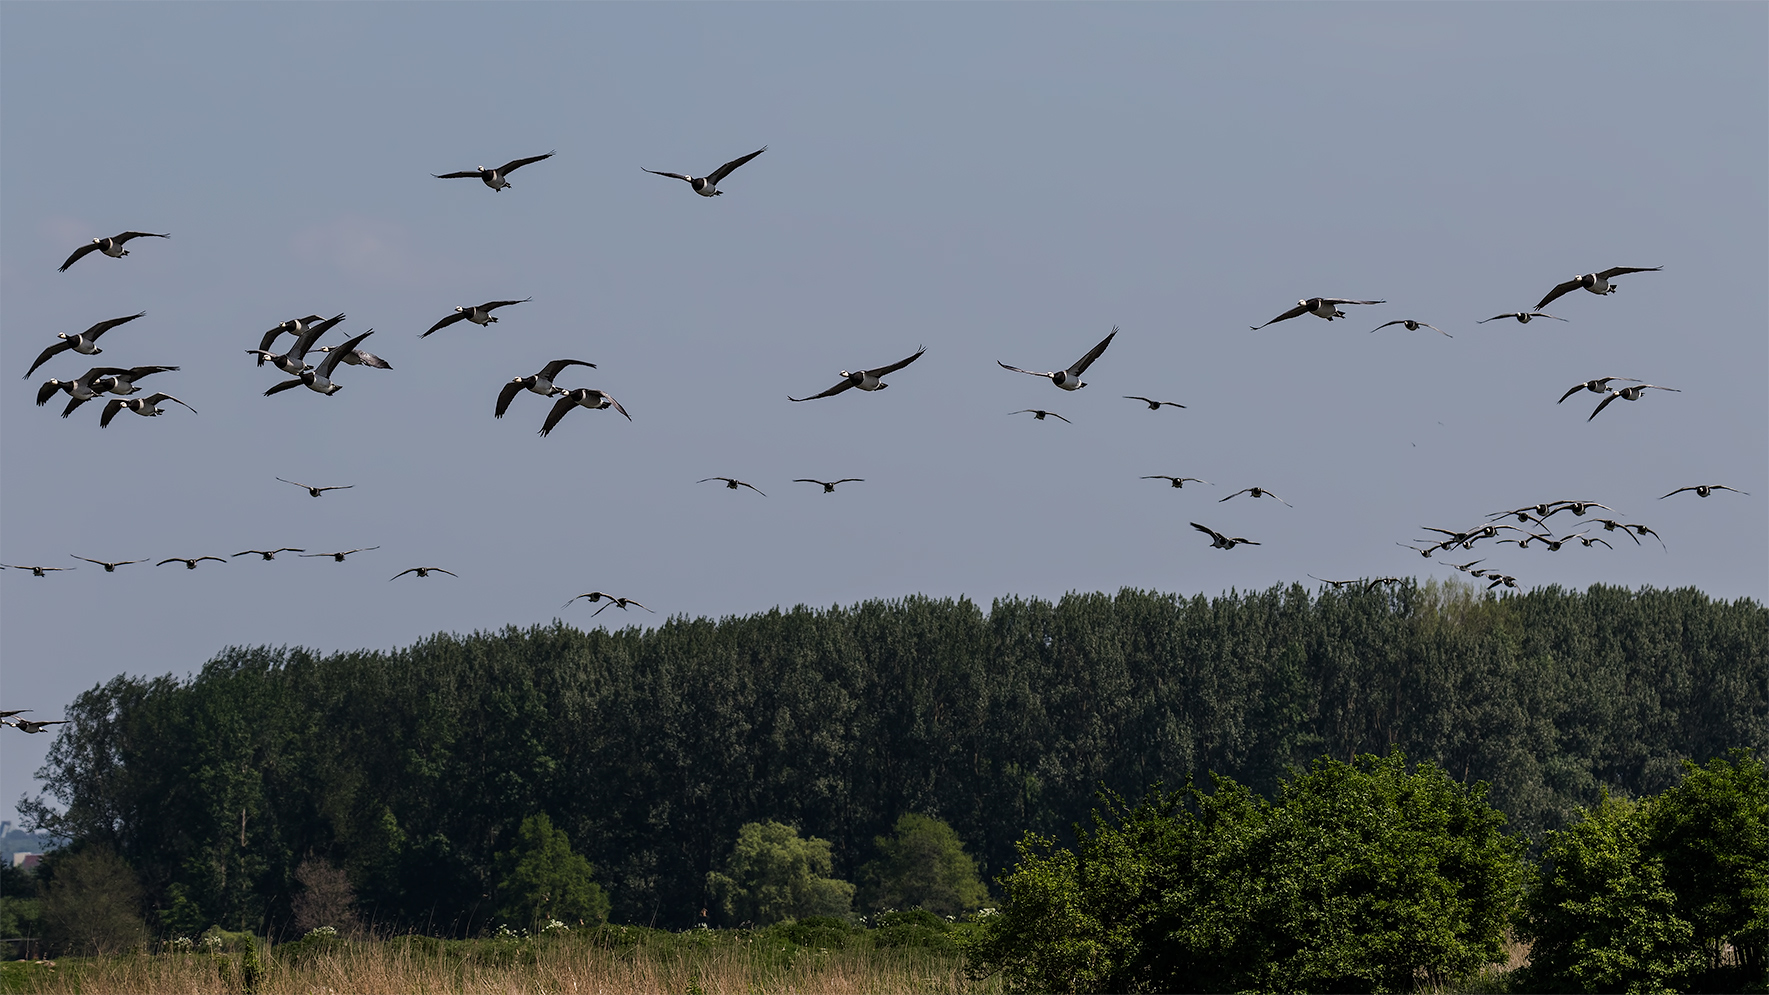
(1667, 894)
(410, 770)
(773, 874)
(1361, 877)
(540, 879)
(922, 864)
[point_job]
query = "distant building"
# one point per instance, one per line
(25, 861)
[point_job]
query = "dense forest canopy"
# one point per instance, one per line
(413, 769)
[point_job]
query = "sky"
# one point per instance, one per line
(993, 182)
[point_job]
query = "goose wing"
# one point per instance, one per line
(370, 359)
(95, 331)
(515, 164)
(1615, 271)
(1018, 370)
(1214, 535)
(1246, 490)
(47, 391)
(111, 408)
(336, 356)
(1378, 328)
(61, 345)
(1561, 289)
(1575, 388)
(1084, 362)
(285, 385)
(155, 398)
(507, 395)
(492, 305)
(561, 407)
(137, 372)
(444, 323)
(723, 171)
(616, 405)
(899, 364)
(552, 369)
(126, 236)
(309, 337)
(831, 392)
(1605, 403)
(1299, 309)
(81, 251)
(462, 175)
(659, 172)
(1345, 300)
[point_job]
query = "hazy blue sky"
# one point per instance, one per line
(995, 182)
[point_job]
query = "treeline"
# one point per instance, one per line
(412, 770)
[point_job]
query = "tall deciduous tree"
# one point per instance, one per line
(775, 874)
(540, 878)
(922, 864)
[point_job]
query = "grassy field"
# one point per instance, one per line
(610, 960)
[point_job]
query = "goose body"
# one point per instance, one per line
(732, 483)
(478, 314)
(1523, 317)
(422, 572)
(828, 485)
(110, 566)
(1320, 307)
(82, 388)
(85, 343)
(1413, 326)
(123, 384)
(864, 379)
(1703, 490)
(583, 397)
(294, 362)
(36, 571)
(318, 379)
(1597, 283)
(708, 185)
(1220, 541)
(147, 407)
(112, 246)
(1069, 379)
(541, 383)
(1633, 393)
(493, 178)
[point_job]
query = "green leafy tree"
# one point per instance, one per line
(1361, 877)
(1712, 835)
(774, 874)
(922, 864)
(1601, 917)
(92, 903)
(540, 878)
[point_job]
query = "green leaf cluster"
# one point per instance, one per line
(540, 879)
(1359, 877)
(774, 874)
(1666, 894)
(922, 864)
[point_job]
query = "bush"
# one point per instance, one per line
(916, 928)
(1362, 877)
(773, 874)
(922, 865)
(832, 932)
(326, 899)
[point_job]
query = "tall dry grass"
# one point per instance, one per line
(553, 966)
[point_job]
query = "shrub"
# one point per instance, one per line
(92, 903)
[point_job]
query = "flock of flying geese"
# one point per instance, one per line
(121, 383)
